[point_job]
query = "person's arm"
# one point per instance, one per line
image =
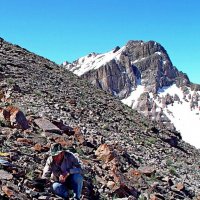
(77, 166)
(47, 169)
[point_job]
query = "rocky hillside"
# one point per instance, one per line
(124, 154)
(142, 75)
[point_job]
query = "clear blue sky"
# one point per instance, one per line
(68, 29)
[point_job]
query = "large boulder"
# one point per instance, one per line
(46, 125)
(14, 116)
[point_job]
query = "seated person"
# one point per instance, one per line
(65, 170)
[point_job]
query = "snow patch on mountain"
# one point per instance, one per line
(93, 61)
(132, 99)
(185, 119)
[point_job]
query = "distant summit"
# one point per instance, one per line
(142, 75)
(147, 62)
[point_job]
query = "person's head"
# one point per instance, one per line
(57, 151)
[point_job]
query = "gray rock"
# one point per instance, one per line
(4, 175)
(47, 126)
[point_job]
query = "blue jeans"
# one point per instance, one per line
(74, 182)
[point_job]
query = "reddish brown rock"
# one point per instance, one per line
(62, 141)
(117, 175)
(14, 117)
(37, 147)
(147, 170)
(66, 129)
(134, 173)
(24, 140)
(72, 102)
(7, 191)
(156, 196)
(153, 197)
(180, 186)
(1, 95)
(78, 135)
(110, 184)
(105, 153)
(124, 191)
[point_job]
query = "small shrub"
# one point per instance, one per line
(79, 151)
(169, 162)
(38, 93)
(172, 171)
(30, 175)
(10, 81)
(152, 140)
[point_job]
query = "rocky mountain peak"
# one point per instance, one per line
(146, 62)
(141, 49)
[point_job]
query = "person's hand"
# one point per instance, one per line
(49, 183)
(62, 178)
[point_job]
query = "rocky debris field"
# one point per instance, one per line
(125, 156)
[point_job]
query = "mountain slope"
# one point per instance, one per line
(124, 153)
(139, 73)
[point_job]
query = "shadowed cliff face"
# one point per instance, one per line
(124, 154)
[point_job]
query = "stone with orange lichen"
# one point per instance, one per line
(24, 141)
(105, 153)
(78, 135)
(14, 116)
(7, 191)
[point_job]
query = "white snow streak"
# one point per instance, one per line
(94, 61)
(185, 120)
(135, 94)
